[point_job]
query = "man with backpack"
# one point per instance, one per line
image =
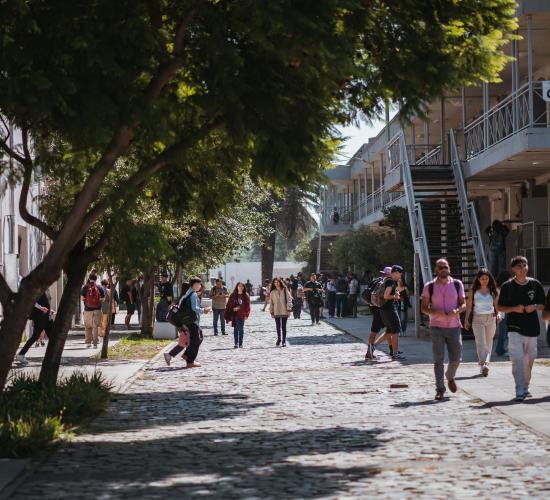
(314, 296)
(92, 296)
(377, 323)
(341, 295)
(520, 298)
(443, 300)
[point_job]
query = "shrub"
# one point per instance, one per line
(34, 414)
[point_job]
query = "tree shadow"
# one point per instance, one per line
(323, 339)
(153, 409)
(278, 464)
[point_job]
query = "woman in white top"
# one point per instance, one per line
(280, 302)
(482, 316)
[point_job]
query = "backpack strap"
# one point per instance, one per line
(457, 288)
(430, 291)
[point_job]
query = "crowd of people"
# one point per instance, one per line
(504, 307)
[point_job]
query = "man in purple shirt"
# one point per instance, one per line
(443, 301)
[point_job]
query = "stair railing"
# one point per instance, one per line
(415, 213)
(467, 208)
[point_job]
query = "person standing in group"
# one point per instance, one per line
(313, 291)
(481, 307)
(41, 322)
(166, 292)
(219, 295)
(249, 287)
(353, 293)
(520, 298)
(403, 305)
(331, 297)
(128, 296)
(443, 301)
(501, 347)
(195, 333)
(92, 296)
(341, 295)
(298, 302)
(237, 311)
(377, 324)
(280, 304)
(388, 311)
(266, 288)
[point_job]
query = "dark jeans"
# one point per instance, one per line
(219, 313)
(352, 300)
(331, 304)
(192, 350)
(297, 308)
(502, 337)
(403, 319)
(497, 261)
(314, 311)
(238, 331)
(280, 323)
(45, 324)
(340, 304)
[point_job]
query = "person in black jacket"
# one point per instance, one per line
(42, 321)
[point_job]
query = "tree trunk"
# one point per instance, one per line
(147, 309)
(16, 311)
(105, 343)
(77, 265)
(268, 256)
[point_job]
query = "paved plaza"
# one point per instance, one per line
(312, 420)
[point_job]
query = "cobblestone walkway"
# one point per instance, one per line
(309, 421)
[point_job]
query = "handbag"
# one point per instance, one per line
(184, 337)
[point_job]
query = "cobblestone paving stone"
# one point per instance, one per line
(310, 421)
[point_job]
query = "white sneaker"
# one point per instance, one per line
(167, 358)
(485, 370)
(21, 359)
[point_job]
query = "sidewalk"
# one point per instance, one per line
(496, 390)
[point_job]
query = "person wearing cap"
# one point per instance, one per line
(388, 312)
(377, 323)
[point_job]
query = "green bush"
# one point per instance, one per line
(34, 414)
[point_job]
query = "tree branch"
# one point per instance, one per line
(25, 214)
(10, 152)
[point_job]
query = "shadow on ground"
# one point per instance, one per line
(212, 465)
(322, 339)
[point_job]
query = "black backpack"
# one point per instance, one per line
(366, 294)
(182, 314)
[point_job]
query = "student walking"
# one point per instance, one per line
(520, 298)
(107, 308)
(41, 322)
(353, 293)
(92, 295)
(219, 295)
(237, 311)
(266, 288)
(377, 323)
(443, 300)
(129, 295)
(481, 307)
(388, 311)
(280, 302)
(314, 290)
(195, 333)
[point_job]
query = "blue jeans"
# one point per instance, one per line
(340, 303)
(502, 337)
(219, 313)
(238, 331)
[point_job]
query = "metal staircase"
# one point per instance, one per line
(443, 222)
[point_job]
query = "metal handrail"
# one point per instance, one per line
(467, 209)
(415, 214)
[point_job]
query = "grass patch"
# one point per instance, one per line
(33, 414)
(137, 347)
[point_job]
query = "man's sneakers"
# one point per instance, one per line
(439, 395)
(519, 397)
(21, 359)
(484, 370)
(167, 358)
(452, 385)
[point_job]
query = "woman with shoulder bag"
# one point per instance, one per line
(280, 302)
(482, 317)
(237, 311)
